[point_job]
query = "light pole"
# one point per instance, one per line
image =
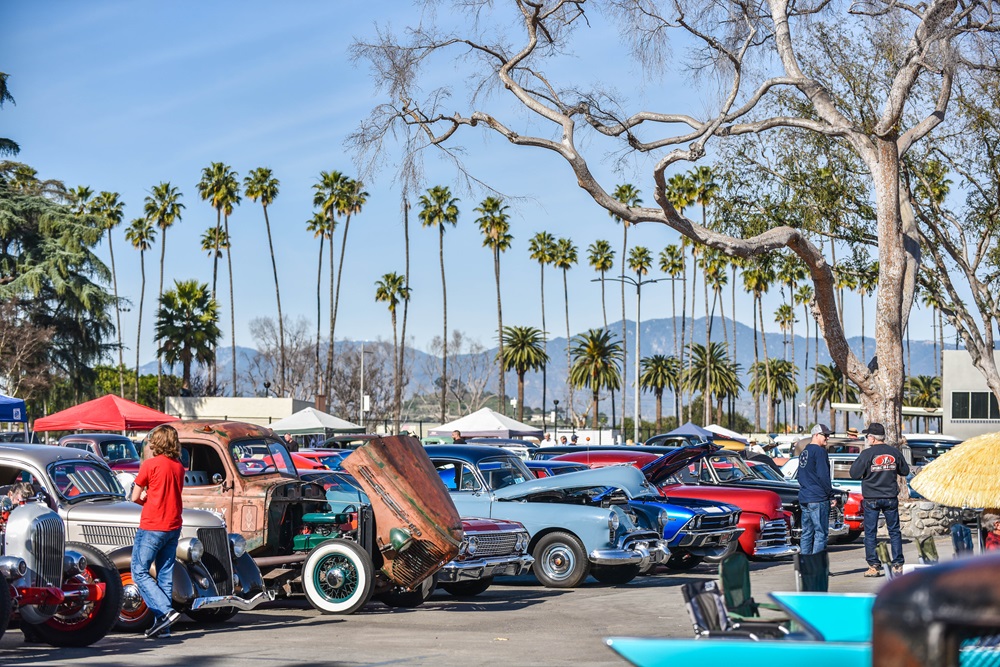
(555, 416)
(363, 407)
(638, 326)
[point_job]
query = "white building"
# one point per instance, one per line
(260, 411)
(970, 408)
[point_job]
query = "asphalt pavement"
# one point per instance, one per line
(515, 622)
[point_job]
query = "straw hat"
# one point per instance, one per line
(965, 476)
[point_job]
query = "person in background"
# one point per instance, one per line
(991, 522)
(878, 467)
(20, 492)
(456, 437)
(562, 440)
(573, 438)
(290, 443)
(547, 441)
(158, 489)
(815, 491)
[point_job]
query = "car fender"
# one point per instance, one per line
(589, 524)
(650, 511)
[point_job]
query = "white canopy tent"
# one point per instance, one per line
(486, 423)
(726, 433)
(311, 421)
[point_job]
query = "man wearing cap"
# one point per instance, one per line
(815, 492)
(573, 439)
(878, 467)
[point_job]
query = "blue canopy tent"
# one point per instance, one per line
(13, 410)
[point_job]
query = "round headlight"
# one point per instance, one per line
(190, 549)
(613, 521)
(663, 518)
(238, 544)
(763, 522)
(473, 545)
(522, 542)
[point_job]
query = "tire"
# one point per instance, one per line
(467, 589)
(615, 575)
(401, 599)
(682, 562)
(83, 624)
(134, 615)
(338, 577)
(212, 616)
(560, 561)
(852, 536)
(5, 606)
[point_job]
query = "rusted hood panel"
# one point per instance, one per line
(406, 493)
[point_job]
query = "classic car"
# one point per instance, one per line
(119, 452)
(214, 578)
(766, 526)
(411, 529)
(490, 547)
(548, 467)
(925, 447)
(329, 459)
(570, 537)
(347, 441)
(60, 592)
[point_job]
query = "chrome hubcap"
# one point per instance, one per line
(131, 598)
(559, 561)
(335, 577)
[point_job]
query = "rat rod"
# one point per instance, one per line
(389, 548)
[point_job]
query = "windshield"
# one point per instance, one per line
(504, 471)
(729, 468)
(341, 489)
(261, 457)
(76, 480)
(119, 450)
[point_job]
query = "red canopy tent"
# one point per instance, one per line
(107, 413)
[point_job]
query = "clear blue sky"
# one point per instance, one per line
(123, 95)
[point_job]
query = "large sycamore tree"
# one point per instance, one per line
(758, 55)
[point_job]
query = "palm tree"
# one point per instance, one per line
(790, 272)
(784, 317)
(524, 350)
(627, 194)
(327, 197)
(392, 289)
(774, 378)
(681, 194)
(924, 391)
(672, 264)
(187, 326)
(261, 185)
(219, 185)
(596, 357)
(110, 209)
(602, 258)
(350, 199)
(163, 207)
(658, 373)
(494, 223)
(726, 383)
(141, 235)
(564, 258)
(757, 277)
(439, 209)
(639, 261)
(705, 191)
(542, 248)
(828, 389)
(79, 198)
(214, 241)
(322, 228)
(803, 297)
(7, 146)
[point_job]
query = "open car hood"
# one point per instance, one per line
(669, 464)
(624, 477)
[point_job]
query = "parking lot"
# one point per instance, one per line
(516, 622)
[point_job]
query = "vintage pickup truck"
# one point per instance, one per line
(245, 474)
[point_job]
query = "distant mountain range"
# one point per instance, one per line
(657, 337)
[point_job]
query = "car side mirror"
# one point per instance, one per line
(217, 478)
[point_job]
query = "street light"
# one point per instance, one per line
(555, 415)
(638, 326)
(363, 407)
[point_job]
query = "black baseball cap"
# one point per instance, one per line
(875, 429)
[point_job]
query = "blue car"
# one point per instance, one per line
(572, 536)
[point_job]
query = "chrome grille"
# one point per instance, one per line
(494, 542)
(836, 516)
(775, 533)
(218, 557)
(712, 522)
(108, 535)
(49, 542)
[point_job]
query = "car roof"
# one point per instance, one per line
(93, 437)
(473, 453)
(45, 454)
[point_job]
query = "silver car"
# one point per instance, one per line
(214, 577)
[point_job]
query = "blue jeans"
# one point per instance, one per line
(889, 507)
(159, 548)
(815, 527)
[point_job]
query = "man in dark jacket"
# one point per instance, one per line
(815, 492)
(878, 467)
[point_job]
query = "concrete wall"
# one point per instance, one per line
(960, 375)
(261, 411)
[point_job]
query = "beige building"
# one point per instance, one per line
(261, 411)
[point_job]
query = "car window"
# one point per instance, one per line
(729, 468)
(458, 476)
(75, 480)
(504, 471)
(261, 457)
(83, 446)
(119, 450)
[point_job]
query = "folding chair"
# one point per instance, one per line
(961, 539)
(812, 572)
(927, 550)
(707, 608)
(734, 576)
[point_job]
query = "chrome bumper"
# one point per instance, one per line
(480, 568)
(776, 551)
(243, 604)
(641, 553)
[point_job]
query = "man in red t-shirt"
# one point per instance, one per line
(158, 489)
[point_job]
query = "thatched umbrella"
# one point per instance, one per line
(965, 476)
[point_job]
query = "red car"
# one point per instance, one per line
(766, 526)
